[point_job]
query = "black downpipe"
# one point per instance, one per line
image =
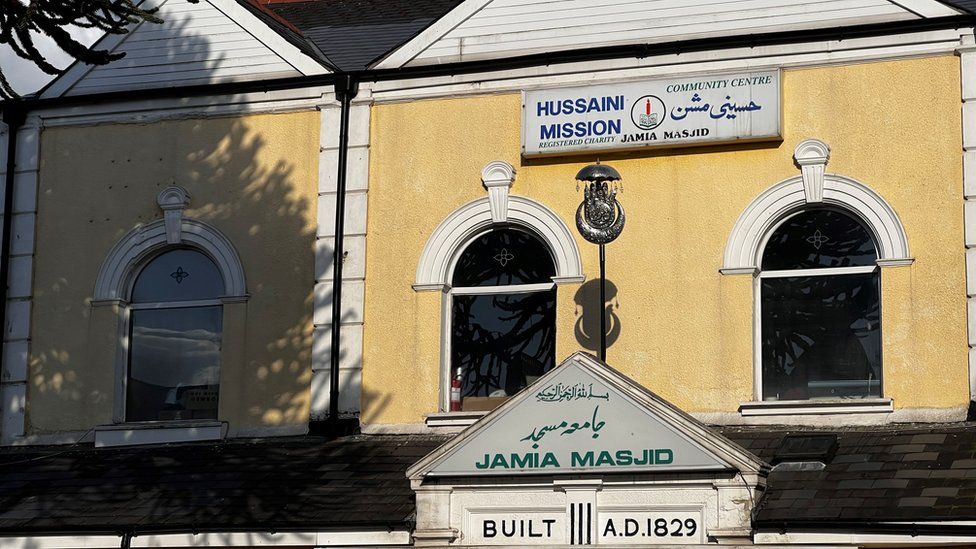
(346, 88)
(13, 116)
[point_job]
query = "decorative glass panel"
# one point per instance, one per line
(819, 238)
(178, 275)
(501, 343)
(821, 337)
(502, 257)
(174, 364)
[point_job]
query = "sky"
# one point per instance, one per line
(24, 76)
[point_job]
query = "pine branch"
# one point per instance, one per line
(19, 22)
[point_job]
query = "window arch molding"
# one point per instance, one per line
(141, 244)
(460, 227)
(745, 245)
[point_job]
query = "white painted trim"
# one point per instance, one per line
(448, 239)
(405, 53)
(967, 66)
(123, 264)
(903, 415)
(812, 155)
(860, 540)
(409, 51)
(497, 177)
(230, 8)
(345, 538)
(144, 111)
(355, 244)
(744, 249)
(118, 271)
(628, 69)
(810, 54)
(453, 419)
(78, 70)
(18, 297)
(743, 252)
(135, 434)
(827, 271)
(819, 407)
(458, 229)
(927, 8)
(173, 200)
(514, 289)
(274, 41)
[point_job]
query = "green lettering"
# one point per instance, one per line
(549, 460)
(604, 459)
(521, 462)
(586, 460)
(624, 457)
(499, 461)
(663, 457)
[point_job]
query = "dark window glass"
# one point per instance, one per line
(819, 238)
(178, 275)
(501, 343)
(502, 257)
(174, 364)
(821, 337)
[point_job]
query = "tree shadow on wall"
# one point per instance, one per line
(588, 305)
(243, 178)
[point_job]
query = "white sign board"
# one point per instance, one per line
(672, 112)
(574, 421)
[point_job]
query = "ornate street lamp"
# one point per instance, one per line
(600, 219)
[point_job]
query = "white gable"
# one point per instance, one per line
(485, 29)
(207, 42)
(585, 417)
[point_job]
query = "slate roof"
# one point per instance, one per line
(906, 473)
(968, 6)
(354, 33)
(287, 30)
(878, 474)
(281, 484)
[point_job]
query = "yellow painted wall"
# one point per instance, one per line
(254, 178)
(686, 329)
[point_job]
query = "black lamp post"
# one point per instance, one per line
(600, 219)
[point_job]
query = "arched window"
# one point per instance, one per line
(175, 328)
(502, 303)
(819, 308)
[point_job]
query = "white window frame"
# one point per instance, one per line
(113, 287)
(124, 357)
(444, 246)
(753, 228)
(156, 305)
(757, 350)
(447, 307)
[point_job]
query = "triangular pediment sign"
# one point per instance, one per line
(585, 417)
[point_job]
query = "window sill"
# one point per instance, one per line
(816, 407)
(454, 419)
(133, 434)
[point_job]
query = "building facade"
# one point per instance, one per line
(788, 296)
